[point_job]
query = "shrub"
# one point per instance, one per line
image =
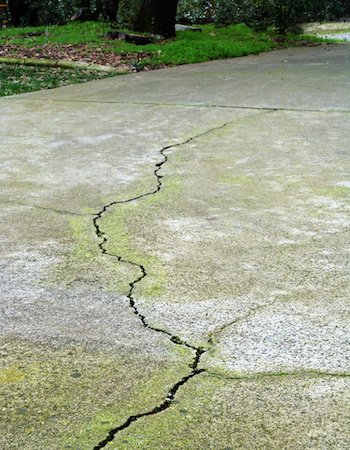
(127, 11)
(285, 15)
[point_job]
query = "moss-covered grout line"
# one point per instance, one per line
(58, 211)
(173, 338)
(279, 374)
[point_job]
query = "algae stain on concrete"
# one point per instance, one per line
(337, 191)
(51, 397)
(80, 262)
(234, 179)
(83, 235)
(11, 375)
(129, 233)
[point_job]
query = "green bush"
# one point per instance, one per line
(285, 15)
(127, 11)
(58, 12)
(48, 12)
(282, 15)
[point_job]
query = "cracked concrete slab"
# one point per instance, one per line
(175, 258)
(284, 412)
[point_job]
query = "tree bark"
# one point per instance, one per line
(111, 8)
(17, 8)
(157, 16)
(164, 18)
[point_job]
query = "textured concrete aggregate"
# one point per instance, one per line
(151, 217)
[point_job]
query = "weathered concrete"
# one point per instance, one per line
(300, 78)
(243, 251)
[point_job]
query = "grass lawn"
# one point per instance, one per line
(16, 79)
(86, 41)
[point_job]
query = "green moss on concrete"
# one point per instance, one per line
(85, 237)
(296, 412)
(335, 191)
(83, 264)
(129, 231)
(234, 179)
(70, 398)
(11, 375)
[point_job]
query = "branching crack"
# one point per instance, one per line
(175, 339)
(213, 336)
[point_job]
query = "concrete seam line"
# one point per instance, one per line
(63, 64)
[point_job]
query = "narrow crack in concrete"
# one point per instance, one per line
(58, 211)
(213, 338)
(214, 335)
(280, 374)
(175, 339)
(192, 105)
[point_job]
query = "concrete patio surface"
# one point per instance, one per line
(175, 258)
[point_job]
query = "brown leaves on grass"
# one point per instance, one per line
(71, 53)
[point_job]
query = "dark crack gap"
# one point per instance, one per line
(163, 406)
(132, 303)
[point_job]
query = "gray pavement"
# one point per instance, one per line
(178, 240)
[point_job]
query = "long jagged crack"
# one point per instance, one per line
(132, 303)
(163, 406)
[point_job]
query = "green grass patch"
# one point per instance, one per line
(188, 47)
(72, 33)
(213, 42)
(17, 79)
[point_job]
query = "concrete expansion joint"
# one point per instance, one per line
(132, 303)
(192, 105)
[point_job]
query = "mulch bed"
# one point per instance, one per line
(102, 56)
(78, 53)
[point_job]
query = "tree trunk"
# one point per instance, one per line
(164, 19)
(144, 18)
(17, 8)
(111, 8)
(157, 16)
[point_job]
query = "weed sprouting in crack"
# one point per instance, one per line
(173, 338)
